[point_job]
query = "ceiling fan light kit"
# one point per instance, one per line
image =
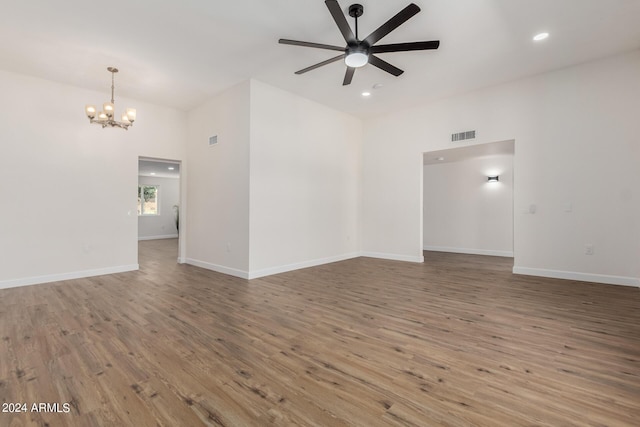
(105, 117)
(359, 53)
(356, 57)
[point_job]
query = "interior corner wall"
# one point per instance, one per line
(163, 225)
(68, 207)
(305, 182)
(217, 214)
(576, 166)
(465, 213)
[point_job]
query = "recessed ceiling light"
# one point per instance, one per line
(366, 93)
(171, 168)
(152, 173)
(439, 159)
(541, 36)
(377, 85)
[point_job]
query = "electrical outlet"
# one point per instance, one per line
(588, 249)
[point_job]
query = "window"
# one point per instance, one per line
(148, 200)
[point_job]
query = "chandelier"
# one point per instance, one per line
(105, 117)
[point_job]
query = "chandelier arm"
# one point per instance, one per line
(112, 123)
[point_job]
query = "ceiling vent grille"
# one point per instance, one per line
(213, 140)
(470, 134)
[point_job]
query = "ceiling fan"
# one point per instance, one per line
(359, 53)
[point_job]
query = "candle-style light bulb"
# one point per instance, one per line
(131, 114)
(90, 110)
(108, 109)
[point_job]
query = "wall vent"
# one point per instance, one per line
(213, 140)
(470, 134)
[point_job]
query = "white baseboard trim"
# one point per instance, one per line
(583, 277)
(268, 271)
(166, 236)
(393, 257)
(218, 268)
(296, 266)
(5, 284)
(488, 252)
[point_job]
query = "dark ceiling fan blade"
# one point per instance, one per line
(309, 44)
(320, 64)
(404, 47)
(348, 76)
(384, 65)
(403, 16)
(341, 21)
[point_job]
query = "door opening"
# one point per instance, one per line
(468, 199)
(159, 201)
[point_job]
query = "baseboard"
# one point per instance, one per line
(218, 268)
(393, 257)
(5, 284)
(583, 277)
(508, 254)
(166, 236)
(296, 266)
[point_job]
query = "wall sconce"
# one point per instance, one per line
(494, 178)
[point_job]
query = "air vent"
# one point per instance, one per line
(213, 140)
(470, 134)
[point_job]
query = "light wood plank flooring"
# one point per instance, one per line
(456, 341)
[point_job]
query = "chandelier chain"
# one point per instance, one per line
(112, 85)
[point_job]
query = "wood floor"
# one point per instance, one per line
(456, 341)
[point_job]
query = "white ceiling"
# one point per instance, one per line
(158, 168)
(467, 152)
(182, 53)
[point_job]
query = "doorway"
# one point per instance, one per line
(468, 199)
(159, 200)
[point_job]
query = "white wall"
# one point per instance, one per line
(279, 191)
(463, 212)
(305, 174)
(67, 208)
(576, 144)
(218, 183)
(576, 147)
(160, 226)
(79, 178)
